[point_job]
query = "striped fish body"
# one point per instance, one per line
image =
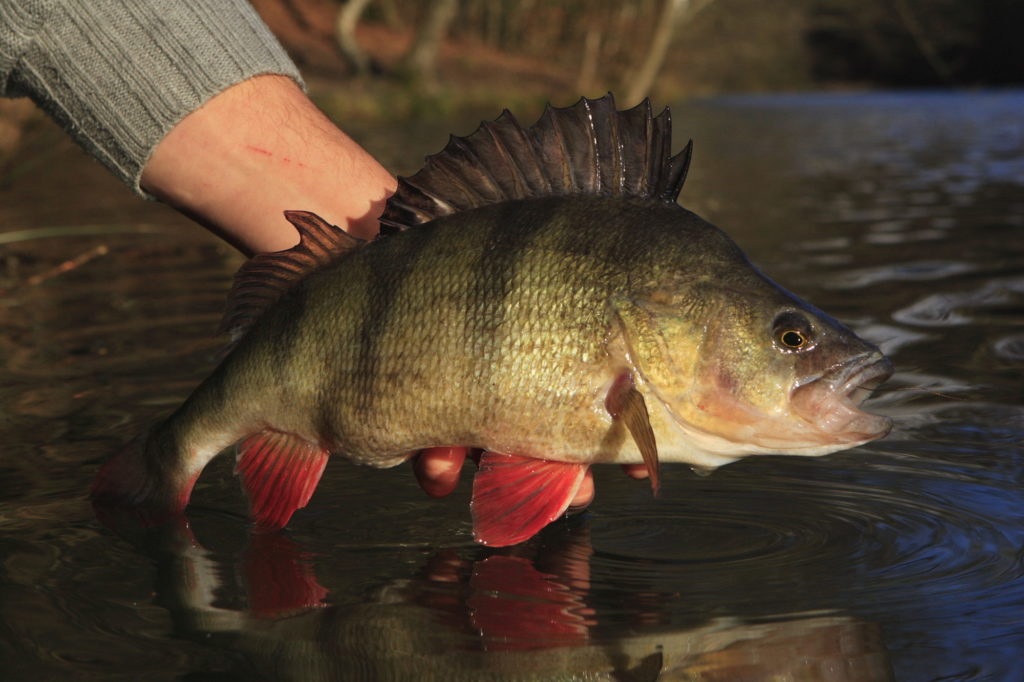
(541, 296)
(494, 328)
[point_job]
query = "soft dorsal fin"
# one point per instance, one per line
(588, 148)
(266, 277)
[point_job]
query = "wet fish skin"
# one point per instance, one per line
(495, 328)
(526, 327)
(492, 328)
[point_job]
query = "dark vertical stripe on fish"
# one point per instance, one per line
(282, 361)
(513, 227)
(388, 270)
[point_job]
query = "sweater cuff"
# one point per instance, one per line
(119, 75)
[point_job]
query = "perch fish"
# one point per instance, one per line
(537, 293)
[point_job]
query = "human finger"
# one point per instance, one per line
(437, 469)
(636, 470)
(585, 494)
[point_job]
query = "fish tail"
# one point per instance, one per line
(157, 470)
(152, 471)
(278, 467)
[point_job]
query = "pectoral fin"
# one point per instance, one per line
(515, 497)
(626, 403)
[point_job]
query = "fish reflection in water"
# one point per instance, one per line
(523, 614)
(919, 536)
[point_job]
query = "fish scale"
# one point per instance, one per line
(492, 364)
(545, 300)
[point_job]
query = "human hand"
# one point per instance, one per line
(260, 148)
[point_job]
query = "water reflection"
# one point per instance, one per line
(903, 215)
(523, 614)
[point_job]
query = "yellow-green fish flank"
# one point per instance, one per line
(543, 299)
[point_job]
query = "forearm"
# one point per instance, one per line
(260, 148)
(195, 103)
(119, 75)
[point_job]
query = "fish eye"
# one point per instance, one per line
(792, 332)
(792, 338)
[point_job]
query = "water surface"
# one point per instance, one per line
(902, 214)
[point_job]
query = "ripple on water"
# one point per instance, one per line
(890, 338)
(886, 238)
(920, 536)
(1010, 347)
(959, 308)
(881, 536)
(914, 271)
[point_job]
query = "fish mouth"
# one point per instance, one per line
(864, 377)
(831, 402)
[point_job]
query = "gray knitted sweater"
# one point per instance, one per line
(119, 74)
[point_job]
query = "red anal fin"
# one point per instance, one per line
(279, 472)
(515, 497)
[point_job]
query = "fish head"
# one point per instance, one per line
(744, 367)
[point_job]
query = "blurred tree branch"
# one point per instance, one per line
(923, 42)
(672, 13)
(345, 34)
(422, 58)
(568, 47)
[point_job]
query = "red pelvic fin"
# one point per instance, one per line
(515, 497)
(279, 472)
(280, 577)
(516, 607)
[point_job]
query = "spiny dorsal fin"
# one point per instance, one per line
(588, 148)
(266, 277)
